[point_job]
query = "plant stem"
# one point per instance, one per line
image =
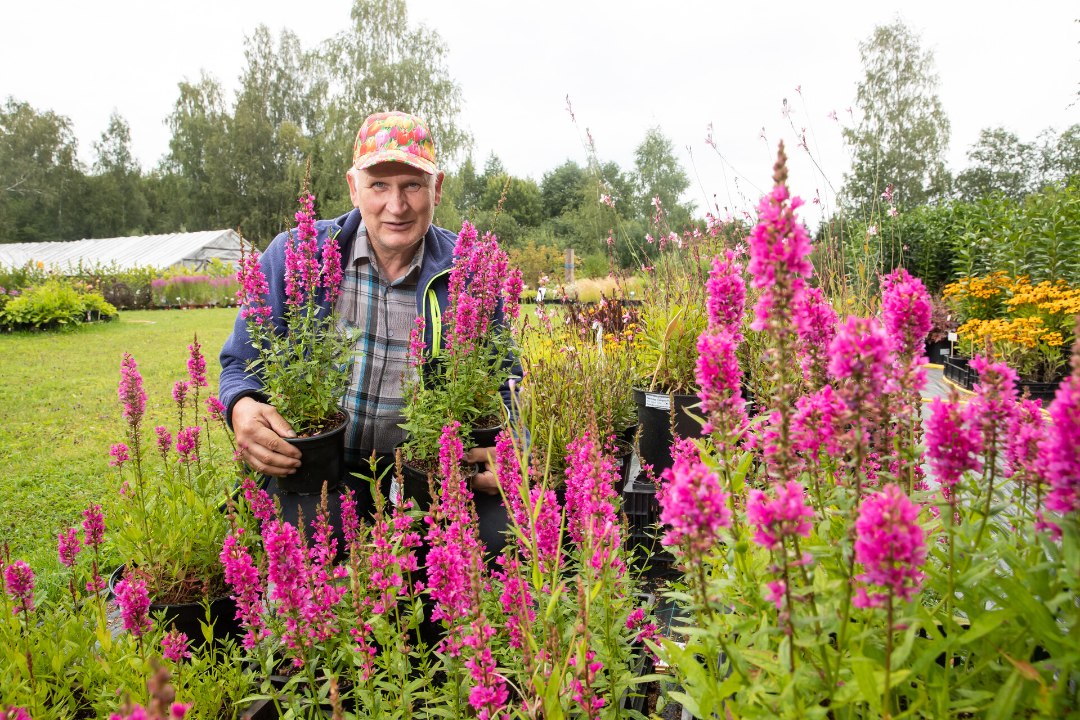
(886, 701)
(989, 473)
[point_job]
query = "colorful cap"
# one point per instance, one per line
(395, 137)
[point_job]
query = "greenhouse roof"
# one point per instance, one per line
(194, 249)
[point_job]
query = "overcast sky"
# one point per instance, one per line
(625, 66)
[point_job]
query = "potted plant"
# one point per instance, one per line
(304, 358)
(941, 324)
(673, 314)
(595, 347)
(1030, 332)
(463, 378)
(167, 523)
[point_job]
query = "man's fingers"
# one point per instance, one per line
(276, 445)
(486, 483)
(277, 423)
(264, 460)
(480, 455)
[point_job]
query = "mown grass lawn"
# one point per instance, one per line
(58, 400)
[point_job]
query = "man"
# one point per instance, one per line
(395, 264)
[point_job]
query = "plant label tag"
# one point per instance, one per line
(952, 337)
(395, 492)
(658, 401)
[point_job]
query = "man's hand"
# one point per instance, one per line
(484, 481)
(259, 431)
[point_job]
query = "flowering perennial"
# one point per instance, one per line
(890, 546)
(693, 505)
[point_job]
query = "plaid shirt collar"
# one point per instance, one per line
(360, 252)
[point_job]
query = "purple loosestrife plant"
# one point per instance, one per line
(174, 646)
(134, 603)
(779, 268)
(865, 607)
(890, 546)
(461, 381)
(166, 521)
(1060, 449)
(304, 358)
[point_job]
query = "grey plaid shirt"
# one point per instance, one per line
(383, 314)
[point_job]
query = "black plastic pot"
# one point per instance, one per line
(658, 415)
(1038, 390)
(413, 482)
(188, 617)
(322, 459)
(937, 351)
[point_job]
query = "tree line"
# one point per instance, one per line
(239, 162)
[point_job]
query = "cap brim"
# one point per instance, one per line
(396, 156)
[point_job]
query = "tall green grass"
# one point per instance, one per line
(60, 413)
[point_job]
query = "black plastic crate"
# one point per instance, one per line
(647, 555)
(640, 505)
(960, 372)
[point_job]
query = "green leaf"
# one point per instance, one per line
(984, 624)
(864, 674)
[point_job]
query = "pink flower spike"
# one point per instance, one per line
(118, 455)
(68, 546)
(777, 519)
(890, 545)
(1060, 448)
(19, 580)
(905, 311)
(196, 365)
(953, 444)
(693, 505)
(134, 603)
(187, 444)
(164, 440)
(132, 395)
(93, 525)
(174, 646)
(215, 408)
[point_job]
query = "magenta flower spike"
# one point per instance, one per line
(779, 253)
(174, 646)
(776, 519)
(118, 455)
(815, 322)
(719, 378)
(19, 581)
(68, 546)
(953, 444)
(1061, 447)
(131, 392)
(196, 365)
(93, 526)
(891, 547)
(134, 603)
(243, 577)
(693, 505)
(187, 444)
(726, 294)
(905, 311)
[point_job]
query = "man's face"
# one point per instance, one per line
(397, 202)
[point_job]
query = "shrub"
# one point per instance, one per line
(52, 304)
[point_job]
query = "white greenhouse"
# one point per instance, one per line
(194, 250)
